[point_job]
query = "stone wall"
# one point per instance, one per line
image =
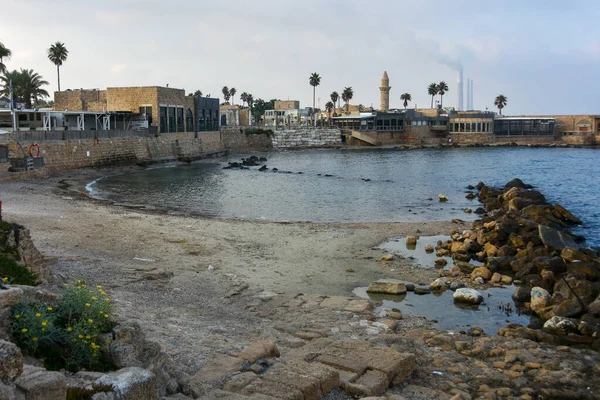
(304, 137)
(64, 155)
(490, 139)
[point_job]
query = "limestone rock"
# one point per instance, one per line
(11, 362)
(521, 294)
(567, 215)
(429, 248)
(466, 295)
(554, 239)
(438, 284)
(131, 383)
(387, 257)
(260, 349)
(540, 298)
(560, 325)
(10, 297)
(569, 308)
(589, 325)
(39, 384)
(496, 278)
(481, 272)
(594, 308)
(411, 240)
(387, 287)
(442, 198)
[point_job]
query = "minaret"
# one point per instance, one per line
(385, 92)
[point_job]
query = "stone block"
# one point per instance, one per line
(10, 297)
(218, 368)
(372, 383)
(308, 385)
(335, 302)
(329, 379)
(238, 382)
(358, 306)
(387, 287)
(274, 389)
(131, 383)
(347, 364)
(11, 362)
(258, 350)
(39, 384)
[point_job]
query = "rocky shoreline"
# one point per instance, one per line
(273, 318)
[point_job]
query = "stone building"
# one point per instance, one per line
(470, 122)
(384, 90)
(281, 105)
(167, 109)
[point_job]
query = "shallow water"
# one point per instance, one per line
(364, 185)
(417, 252)
(490, 315)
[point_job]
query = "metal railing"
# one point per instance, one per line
(39, 136)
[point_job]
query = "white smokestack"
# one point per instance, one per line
(459, 102)
(471, 95)
(469, 82)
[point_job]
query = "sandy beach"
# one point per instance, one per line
(176, 274)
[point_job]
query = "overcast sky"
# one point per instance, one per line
(543, 55)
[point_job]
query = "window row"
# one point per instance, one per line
(471, 127)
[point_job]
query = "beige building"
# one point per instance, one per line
(283, 105)
(471, 122)
(168, 109)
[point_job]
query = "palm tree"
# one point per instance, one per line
(244, 97)
(500, 102)
(347, 95)
(250, 101)
(361, 108)
(27, 86)
(232, 93)
(314, 80)
(4, 53)
(442, 89)
(58, 53)
(329, 106)
(226, 95)
(406, 97)
(432, 90)
(334, 99)
(198, 93)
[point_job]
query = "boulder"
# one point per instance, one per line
(519, 203)
(466, 295)
(481, 272)
(569, 308)
(128, 346)
(507, 280)
(438, 284)
(465, 267)
(540, 298)
(496, 264)
(507, 251)
(38, 384)
(496, 278)
(570, 255)
(584, 270)
(456, 285)
(131, 383)
(589, 325)
(387, 287)
(442, 198)
(429, 248)
(470, 196)
(11, 362)
(566, 215)
(411, 240)
(594, 308)
(516, 183)
(422, 290)
(532, 196)
(586, 290)
(554, 264)
(521, 294)
(554, 239)
(561, 326)
(440, 262)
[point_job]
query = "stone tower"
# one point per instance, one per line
(385, 92)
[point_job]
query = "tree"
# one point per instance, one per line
(347, 95)
(406, 97)
(334, 99)
(226, 95)
(4, 53)
(198, 93)
(314, 80)
(329, 106)
(58, 53)
(361, 108)
(260, 106)
(27, 86)
(442, 89)
(232, 93)
(244, 97)
(500, 102)
(432, 90)
(250, 101)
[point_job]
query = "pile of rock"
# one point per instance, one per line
(523, 237)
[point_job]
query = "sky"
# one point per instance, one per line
(543, 55)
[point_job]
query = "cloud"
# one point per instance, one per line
(118, 68)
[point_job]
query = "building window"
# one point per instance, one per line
(189, 121)
(180, 126)
(147, 110)
(172, 120)
(479, 127)
(163, 119)
(462, 127)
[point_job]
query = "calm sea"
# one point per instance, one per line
(351, 185)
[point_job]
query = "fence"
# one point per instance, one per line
(39, 136)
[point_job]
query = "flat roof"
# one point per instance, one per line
(41, 111)
(522, 118)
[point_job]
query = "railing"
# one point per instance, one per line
(39, 136)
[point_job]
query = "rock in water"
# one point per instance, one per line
(555, 240)
(438, 284)
(387, 287)
(411, 240)
(560, 325)
(442, 197)
(429, 248)
(466, 295)
(481, 272)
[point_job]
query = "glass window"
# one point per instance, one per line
(180, 125)
(163, 119)
(479, 127)
(462, 127)
(172, 120)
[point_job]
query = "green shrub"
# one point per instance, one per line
(66, 334)
(11, 272)
(260, 131)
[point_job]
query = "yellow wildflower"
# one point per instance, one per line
(88, 337)
(69, 329)
(94, 298)
(90, 321)
(99, 287)
(80, 336)
(17, 316)
(5, 279)
(73, 340)
(34, 339)
(43, 329)
(107, 300)
(24, 330)
(87, 304)
(105, 315)
(78, 280)
(38, 315)
(44, 323)
(49, 308)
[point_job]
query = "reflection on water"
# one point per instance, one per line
(363, 186)
(491, 315)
